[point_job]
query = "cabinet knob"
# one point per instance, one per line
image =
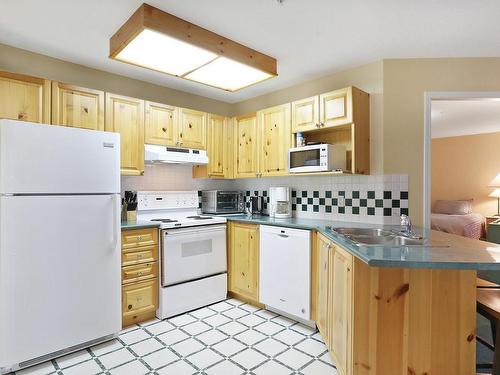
(85, 109)
(190, 126)
(322, 124)
(129, 307)
(164, 130)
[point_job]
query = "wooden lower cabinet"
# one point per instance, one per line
(321, 271)
(243, 261)
(379, 321)
(140, 278)
(139, 302)
(340, 317)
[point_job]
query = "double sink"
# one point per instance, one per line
(379, 237)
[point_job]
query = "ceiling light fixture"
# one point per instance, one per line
(160, 41)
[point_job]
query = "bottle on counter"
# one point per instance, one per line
(300, 140)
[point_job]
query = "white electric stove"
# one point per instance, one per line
(193, 251)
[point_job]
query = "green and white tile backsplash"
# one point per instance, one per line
(373, 199)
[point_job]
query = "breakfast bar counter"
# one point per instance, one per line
(440, 250)
(398, 310)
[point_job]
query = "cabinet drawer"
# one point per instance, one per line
(139, 300)
(139, 237)
(147, 254)
(139, 272)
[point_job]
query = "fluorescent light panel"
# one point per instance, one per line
(154, 39)
(161, 52)
(227, 74)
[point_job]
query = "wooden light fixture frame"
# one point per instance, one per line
(149, 17)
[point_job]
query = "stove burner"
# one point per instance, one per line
(198, 217)
(165, 220)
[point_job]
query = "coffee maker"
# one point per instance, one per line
(280, 202)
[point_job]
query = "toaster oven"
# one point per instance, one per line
(222, 202)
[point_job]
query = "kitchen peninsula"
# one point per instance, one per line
(393, 309)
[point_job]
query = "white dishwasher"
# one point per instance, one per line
(285, 264)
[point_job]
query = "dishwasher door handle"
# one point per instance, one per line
(283, 235)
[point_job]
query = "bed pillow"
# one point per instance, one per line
(455, 207)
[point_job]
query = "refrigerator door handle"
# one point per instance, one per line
(115, 225)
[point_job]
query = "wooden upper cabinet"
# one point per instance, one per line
(217, 145)
(125, 115)
(77, 107)
(192, 129)
(275, 140)
(335, 108)
(243, 260)
(305, 114)
(24, 98)
(246, 146)
(161, 124)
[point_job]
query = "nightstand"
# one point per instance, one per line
(493, 232)
(489, 220)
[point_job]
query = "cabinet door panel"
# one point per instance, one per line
(77, 107)
(125, 115)
(138, 300)
(160, 124)
(243, 260)
(340, 308)
(217, 145)
(305, 114)
(246, 146)
(24, 98)
(275, 140)
(192, 129)
(323, 248)
(336, 107)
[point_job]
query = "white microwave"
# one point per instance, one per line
(317, 158)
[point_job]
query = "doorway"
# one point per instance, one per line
(461, 160)
(449, 100)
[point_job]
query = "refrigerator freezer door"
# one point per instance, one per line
(59, 273)
(45, 159)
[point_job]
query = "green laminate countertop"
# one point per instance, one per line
(443, 250)
(139, 224)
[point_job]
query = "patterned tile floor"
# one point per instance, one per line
(226, 338)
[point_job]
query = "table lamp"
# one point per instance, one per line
(496, 194)
(495, 183)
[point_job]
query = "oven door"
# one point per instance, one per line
(306, 159)
(193, 253)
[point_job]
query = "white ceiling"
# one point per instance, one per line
(310, 38)
(453, 118)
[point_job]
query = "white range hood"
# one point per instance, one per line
(174, 155)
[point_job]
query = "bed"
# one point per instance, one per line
(456, 217)
(468, 225)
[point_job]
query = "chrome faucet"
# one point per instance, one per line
(406, 225)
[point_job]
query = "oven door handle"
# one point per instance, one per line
(183, 231)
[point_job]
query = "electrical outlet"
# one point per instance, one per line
(341, 201)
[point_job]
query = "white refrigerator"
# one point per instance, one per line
(59, 241)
